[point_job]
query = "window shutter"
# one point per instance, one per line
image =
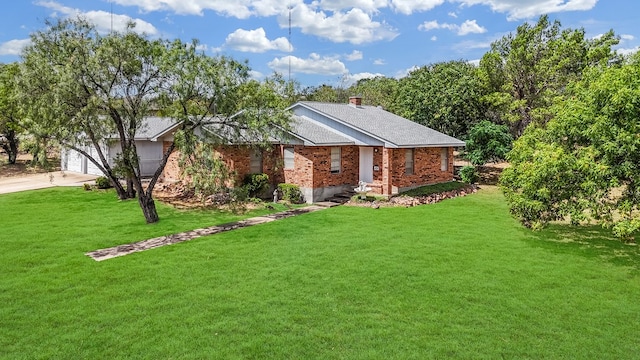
(288, 158)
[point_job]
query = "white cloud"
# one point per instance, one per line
(467, 45)
(14, 47)
(202, 47)
(243, 9)
(471, 27)
(355, 55)
(524, 9)
(370, 6)
(453, 15)
(256, 41)
(627, 37)
(434, 38)
(429, 25)
(467, 27)
(256, 75)
(408, 7)
(351, 79)
(314, 64)
(475, 62)
(240, 9)
(404, 73)
(101, 19)
(354, 26)
(379, 62)
(264, 7)
(626, 52)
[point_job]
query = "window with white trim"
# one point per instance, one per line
(444, 159)
(408, 161)
(255, 162)
(336, 160)
(288, 158)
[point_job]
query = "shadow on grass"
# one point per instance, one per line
(589, 241)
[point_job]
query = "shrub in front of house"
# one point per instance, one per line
(239, 194)
(290, 193)
(469, 174)
(103, 183)
(256, 184)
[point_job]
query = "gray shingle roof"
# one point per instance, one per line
(314, 133)
(152, 127)
(374, 121)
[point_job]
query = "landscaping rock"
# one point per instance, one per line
(409, 201)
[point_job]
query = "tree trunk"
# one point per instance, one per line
(120, 190)
(131, 191)
(11, 146)
(148, 207)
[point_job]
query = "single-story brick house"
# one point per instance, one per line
(334, 146)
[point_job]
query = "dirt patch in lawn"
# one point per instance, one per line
(489, 173)
(24, 166)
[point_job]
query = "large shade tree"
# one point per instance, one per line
(82, 87)
(584, 164)
(444, 96)
(377, 91)
(524, 72)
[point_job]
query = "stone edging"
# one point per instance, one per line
(407, 201)
(126, 249)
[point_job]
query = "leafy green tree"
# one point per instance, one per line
(10, 118)
(378, 91)
(525, 72)
(444, 96)
(257, 118)
(488, 142)
(82, 88)
(584, 164)
(326, 93)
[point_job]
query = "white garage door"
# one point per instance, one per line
(75, 162)
(91, 167)
(150, 154)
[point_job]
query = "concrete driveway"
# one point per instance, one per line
(44, 180)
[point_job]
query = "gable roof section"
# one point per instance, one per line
(313, 133)
(154, 127)
(374, 122)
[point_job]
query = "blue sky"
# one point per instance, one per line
(332, 41)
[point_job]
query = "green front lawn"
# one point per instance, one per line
(458, 279)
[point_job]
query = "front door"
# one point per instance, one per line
(366, 164)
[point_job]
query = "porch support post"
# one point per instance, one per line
(387, 171)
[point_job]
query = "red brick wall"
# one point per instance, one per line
(302, 172)
(426, 167)
(377, 161)
(237, 159)
(313, 166)
(171, 171)
(349, 167)
(272, 164)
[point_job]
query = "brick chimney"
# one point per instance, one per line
(355, 100)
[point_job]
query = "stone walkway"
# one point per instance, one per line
(121, 250)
